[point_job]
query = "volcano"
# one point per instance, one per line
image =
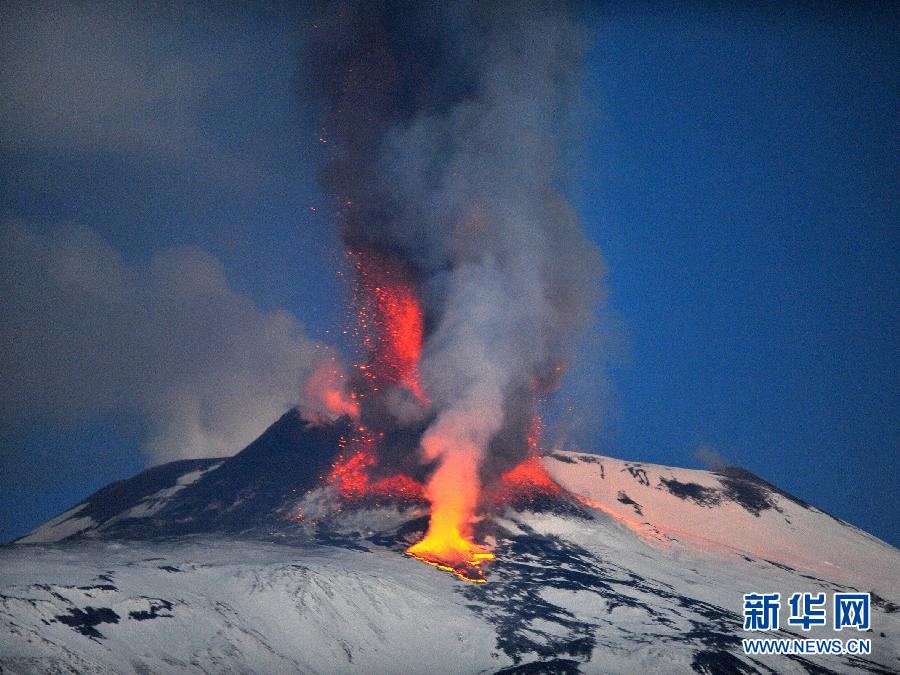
(259, 563)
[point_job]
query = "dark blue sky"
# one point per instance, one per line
(738, 171)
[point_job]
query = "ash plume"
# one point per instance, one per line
(447, 126)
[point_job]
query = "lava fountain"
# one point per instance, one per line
(444, 131)
(391, 329)
(390, 323)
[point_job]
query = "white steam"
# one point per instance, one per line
(86, 334)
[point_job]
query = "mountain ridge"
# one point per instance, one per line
(254, 563)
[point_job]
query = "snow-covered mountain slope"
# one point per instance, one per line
(123, 501)
(730, 512)
(204, 567)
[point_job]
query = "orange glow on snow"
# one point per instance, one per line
(524, 485)
(530, 475)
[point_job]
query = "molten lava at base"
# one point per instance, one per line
(448, 544)
(452, 553)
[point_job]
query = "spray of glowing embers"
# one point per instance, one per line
(390, 328)
(350, 473)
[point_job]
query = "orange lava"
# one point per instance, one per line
(448, 543)
(462, 558)
(350, 475)
(390, 322)
(453, 491)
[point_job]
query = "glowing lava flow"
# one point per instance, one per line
(467, 570)
(448, 544)
(453, 491)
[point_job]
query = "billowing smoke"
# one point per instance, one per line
(170, 342)
(447, 125)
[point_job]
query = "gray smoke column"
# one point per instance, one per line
(447, 126)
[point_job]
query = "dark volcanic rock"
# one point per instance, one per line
(122, 495)
(249, 488)
(85, 620)
(242, 493)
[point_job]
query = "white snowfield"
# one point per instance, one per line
(644, 575)
(709, 518)
(226, 606)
